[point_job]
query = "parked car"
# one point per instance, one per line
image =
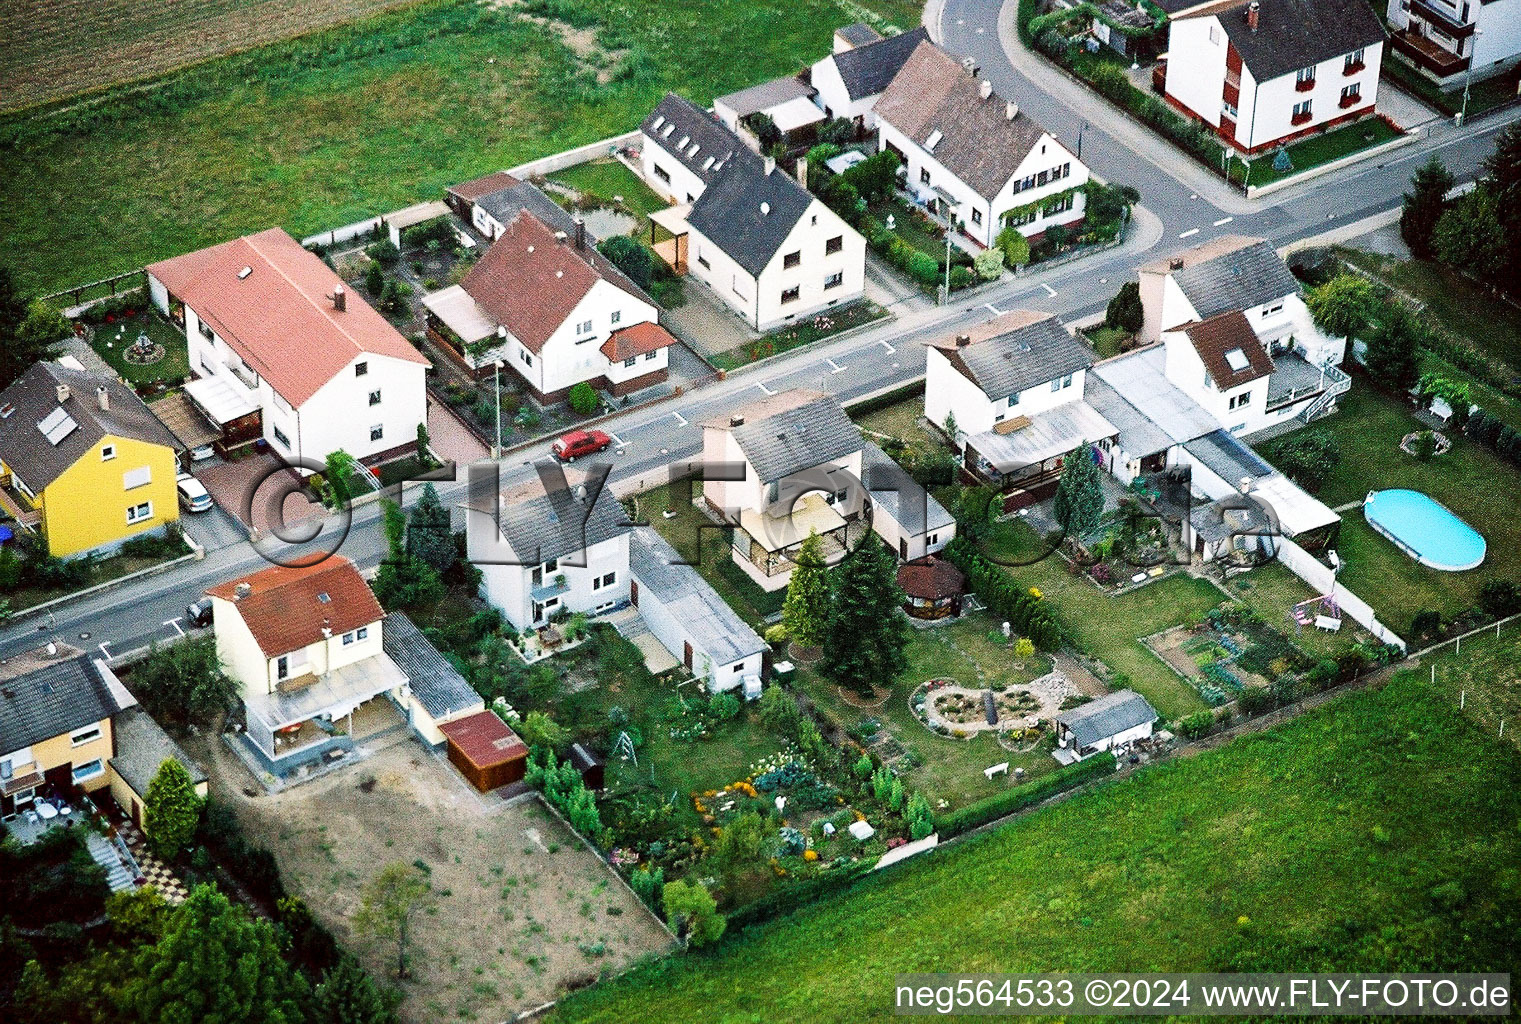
(193, 496)
(572, 446)
(201, 453)
(199, 613)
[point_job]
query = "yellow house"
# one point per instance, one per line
(83, 460)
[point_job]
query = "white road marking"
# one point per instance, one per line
(106, 652)
(834, 367)
(763, 387)
(1223, 221)
(680, 419)
(1190, 231)
(1193, 195)
(890, 349)
(992, 309)
(176, 624)
(616, 439)
(1049, 290)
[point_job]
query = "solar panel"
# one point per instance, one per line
(57, 425)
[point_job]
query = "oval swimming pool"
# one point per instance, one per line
(1424, 529)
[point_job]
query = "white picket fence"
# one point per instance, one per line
(1323, 579)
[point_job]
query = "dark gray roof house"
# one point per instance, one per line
(867, 69)
(765, 96)
(540, 524)
(1106, 717)
(1228, 273)
(52, 414)
(431, 677)
(704, 618)
(142, 747)
(749, 210)
(56, 697)
(1294, 34)
(694, 137)
(1018, 350)
(791, 432)
(504, 204)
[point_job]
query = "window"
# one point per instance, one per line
(1304, 77)
(206, 332)
(282, 667)
(107, 452)
(140, 512)
(1214, 35)
(1351, 94)
(1353, 61)
(1241, 401)
(976, 216)
(348, 638)
(362, 632)
(376, 432)
(1301, 112)
(792, 259)
(702, 261)
(1060, 383)
(630, 361)
(83, 736)
(139, 477)
(661, 173)
(834, 245)
(526, 356)
(585, 327)
(1228, 109)
(375, 397)
(603, 582)
(1067, 169)
(651, 355)
(791, 294)
(1013, 399)
(88, 770)
(813, 221)
(924, 176)
(360, 369)
(617, 316)
(280, 436)
(552, 565)
(834, 280)
(1042, 178)
(1269, 310)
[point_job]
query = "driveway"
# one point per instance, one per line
(706, 323)
(245, 488)
(450, 439)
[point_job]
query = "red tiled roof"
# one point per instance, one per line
(284, 608)
(530, 281)
(278, 317)
(1216, 337)
(484, 739)
(931, 578)
(484, 186)
(635, 340)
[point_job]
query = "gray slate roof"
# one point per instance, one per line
(53, 700)
(793, 431)
(858, 33)
(748, 213)
(1240, 279)
(703, 615)
(978, 143)
(715, 145)
(142, 746)
(540, 525)
(1025, 357)
(1294, 34)
(1139, 436)
(1107, 716)
(868, 69)
(766, 95)
(894, 492)
(1224, 454)
(34, 397)
(432, 678)
(506, 203)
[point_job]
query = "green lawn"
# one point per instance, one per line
(1271, 591)
(324, 130)
(602, 180)
(112, 339)
(1319, 149)
(1106, 340)
(1373, 834)
(1485, 675)
(1483, 93)
(1470, 480)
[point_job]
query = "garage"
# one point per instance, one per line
(487, 753)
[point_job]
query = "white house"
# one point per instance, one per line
(972, 157)
(787, 101)
(1239, 339)
(491, 202)
(688, 617)
(683, 148)
(280, 350)
(1265, 72)
(798, 462)
(546, 304)
(1444, 40)
(306, 646)
(549, 542)
(849, 81)
(1014, 388)
(1110, 722)
(903, 513)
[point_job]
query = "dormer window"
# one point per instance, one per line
(107, 452)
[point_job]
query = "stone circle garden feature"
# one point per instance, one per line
(948, 708)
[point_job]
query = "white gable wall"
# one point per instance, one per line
(834, 99)
(586, 589)
(570, 355)
(340, 415)
(668, 176)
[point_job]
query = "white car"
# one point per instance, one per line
(193, 496)
(201, 453)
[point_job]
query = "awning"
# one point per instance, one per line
(335, 694)
(777, 533)
(673, 218)
(1297, 511)
(1048, 434)
(795, 114)
(220, 400)
(177, 412)
(460, 313)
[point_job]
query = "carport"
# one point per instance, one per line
(177, 412)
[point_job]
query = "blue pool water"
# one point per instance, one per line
(1424, 529)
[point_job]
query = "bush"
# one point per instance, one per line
(1197, 724)
(584, 399)
(1015, 246)
(1125, 311)
(923, 268)
(1426, 622)
(1500, 598)
(965, 819)
(631, 257)
(384, 253)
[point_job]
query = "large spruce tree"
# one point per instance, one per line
(867, 632)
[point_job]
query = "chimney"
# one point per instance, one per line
(770, 165)
(802, 171)
(580, 232)
(1253, 15)
(985, 89)
(560, 237)
(103, 397)
(737, 420)
(1176, 263)
(340, 298)
(1011, 110)
(241, 591)
(63, 393)
(963, 340)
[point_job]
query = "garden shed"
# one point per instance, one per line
(1106, 723)
(933, 587)
(486, 752)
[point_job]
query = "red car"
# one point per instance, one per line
(570, 447)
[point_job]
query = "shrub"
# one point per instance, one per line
(1426, 622)
(989, 264)
(1500, 598)
(923, 268)
(1197, 724)
(384, 253)
(631, 257)
(1015, 246)
(584, 399)
(1019, 797)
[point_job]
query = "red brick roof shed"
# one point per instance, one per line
(485, 750)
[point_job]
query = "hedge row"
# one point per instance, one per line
(1028, 614)
(965, 819)
(790, 898)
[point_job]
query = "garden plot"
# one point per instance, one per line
(1231, 650)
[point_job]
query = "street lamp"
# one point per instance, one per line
(1468, 75)
(496, 376)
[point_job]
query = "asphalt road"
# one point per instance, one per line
(1182, 208)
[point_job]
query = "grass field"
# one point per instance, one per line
(1320, 149)
(320, 131)
(604, 179)
(1484, 675)
(1375, 833)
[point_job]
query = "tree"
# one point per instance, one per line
(921, 820)
(423, 440)
(341, 468)
(386, 906)
(1470, 235)
(539, 730)
(1125, 310)
(1015, 246)
(1424, 204)
(1079, 502)
(875, 179)
(1502, 170)
(1393, 357)
(691, 910)
(778, 710)
(374, 279)
(21, 343)
(765, 130)
(1307, 458)
(403, 581)
(805, 612)
(739, 842)
(583, 398)
(184, 683)
(214, 963)
(629, 256)
(172, 810)
(429, 536)
(347, 995)
(989, 264)
(1343, 306)
(867, 628)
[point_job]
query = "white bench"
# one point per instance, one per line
(997, 769)
(1327, 623)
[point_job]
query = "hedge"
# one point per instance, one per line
(788, 899)
(1028, 614)
(964, 819)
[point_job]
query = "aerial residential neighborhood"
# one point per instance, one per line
(587, 511)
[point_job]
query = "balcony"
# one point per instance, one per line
(1304, 85)
(1427, 53)
(1444, 19)
(1350, 99)
(1303, 117)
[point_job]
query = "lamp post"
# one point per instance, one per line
(948, 231)
(496, 378)
(1468, 75)
(1082, 126)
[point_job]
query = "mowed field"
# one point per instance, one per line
(1376, 833)
(53, 49)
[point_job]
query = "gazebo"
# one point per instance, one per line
(933, 587)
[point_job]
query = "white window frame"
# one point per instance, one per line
(87, 771)
(139, 513)
(107, 452)
(377, 431)
(89, 734)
